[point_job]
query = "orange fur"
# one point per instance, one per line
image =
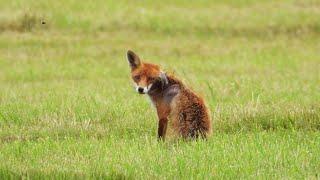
(172, 99)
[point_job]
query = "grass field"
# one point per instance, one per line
(68, 108)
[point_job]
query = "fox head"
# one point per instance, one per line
(146, 76)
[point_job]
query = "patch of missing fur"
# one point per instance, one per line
(170, 93)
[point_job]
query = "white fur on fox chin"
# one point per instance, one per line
(145, 89)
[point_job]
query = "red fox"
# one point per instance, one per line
(172, 99)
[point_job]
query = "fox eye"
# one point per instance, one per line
(136, 78)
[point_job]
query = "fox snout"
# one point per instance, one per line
(143, 90)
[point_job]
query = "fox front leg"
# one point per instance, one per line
(162, 128)
(163, 113)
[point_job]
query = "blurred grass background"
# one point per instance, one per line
(68, 109)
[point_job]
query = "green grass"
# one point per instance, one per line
(266, 154)
(68, 109)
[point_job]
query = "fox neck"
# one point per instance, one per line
(160, 89)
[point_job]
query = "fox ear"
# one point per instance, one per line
(133, 59)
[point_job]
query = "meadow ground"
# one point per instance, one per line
(68, 108)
